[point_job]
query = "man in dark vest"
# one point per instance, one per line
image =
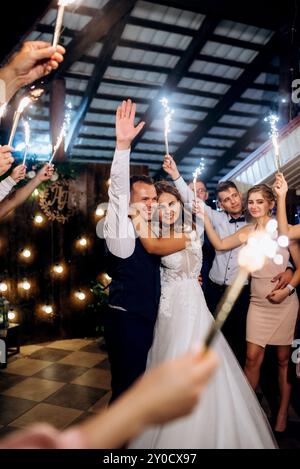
(135, 289)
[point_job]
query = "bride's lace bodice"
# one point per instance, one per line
(182, 265)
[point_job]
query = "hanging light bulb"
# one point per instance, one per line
(25, 285)
(83, 242)
(26, 253)
(100, 212)
(80, 295)
(3, 287)
(47, 309)
(39, 219)
(12, 315)
(58, 269)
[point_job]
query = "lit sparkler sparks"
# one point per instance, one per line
(168, 118)
(62, 133)
(273, 119)
(22, 106)
(196, 174)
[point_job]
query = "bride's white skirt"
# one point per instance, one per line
(228, 414)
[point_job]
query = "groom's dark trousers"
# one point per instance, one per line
(128, 339)
(130, 318)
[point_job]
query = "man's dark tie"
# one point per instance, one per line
(237, 220)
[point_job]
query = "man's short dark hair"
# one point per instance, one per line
(145, 179)
(225, 186)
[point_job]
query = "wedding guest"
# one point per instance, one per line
(225, 264)
(161, 395)
(135, 289)
(21, 195)
(272, 316)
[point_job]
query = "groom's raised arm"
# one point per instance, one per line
(118, 229)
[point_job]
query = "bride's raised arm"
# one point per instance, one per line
(155, 245)
(225, 244)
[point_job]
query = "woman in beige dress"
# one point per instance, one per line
(272, 315)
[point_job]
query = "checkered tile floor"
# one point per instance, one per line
(66, 381)
(61, 383)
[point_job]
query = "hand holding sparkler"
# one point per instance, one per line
(35, 60)
(19, 173)
(6, 159)
(170, 167)
(46, 173)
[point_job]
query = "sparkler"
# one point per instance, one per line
(59, 141)
(168, 118)
(252, 257)
(59, 20)
(273, 120)
(196, 174)
(3, 110)
(62, 133)
(22, 106)
(27, 140)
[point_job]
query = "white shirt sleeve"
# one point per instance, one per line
(118, 228)
(6, 187)
(185, 192)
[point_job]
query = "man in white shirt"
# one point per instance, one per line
(135, 289)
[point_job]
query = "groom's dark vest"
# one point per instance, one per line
(135, 284)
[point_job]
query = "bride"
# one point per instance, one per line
(229, 415)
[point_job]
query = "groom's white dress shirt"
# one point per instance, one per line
(119, 232)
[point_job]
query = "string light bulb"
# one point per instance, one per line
(80, 295)
(11, 315)
(47, 309)
(58, 269)
(39, 219)
(100, 212)
(3, 287)
(26, 253)
(26, 285)
(83, 242)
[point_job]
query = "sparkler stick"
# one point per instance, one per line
(22, 106)
(27, 140)
(58, 142)
(273, 120)
(59, 20)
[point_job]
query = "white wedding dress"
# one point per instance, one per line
(228, 414)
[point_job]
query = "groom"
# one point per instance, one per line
(135, 289)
